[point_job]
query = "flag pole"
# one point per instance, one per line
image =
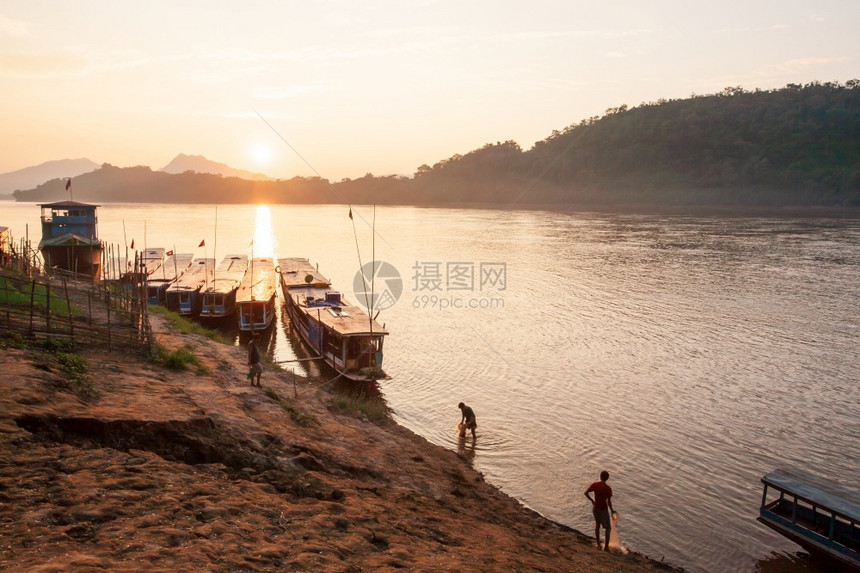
(215, 249)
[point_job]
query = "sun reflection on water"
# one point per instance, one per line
(264, 238)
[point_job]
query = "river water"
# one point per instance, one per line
(687, 356)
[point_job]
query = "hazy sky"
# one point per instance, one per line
(380, 87)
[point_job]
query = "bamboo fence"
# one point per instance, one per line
(39, 303)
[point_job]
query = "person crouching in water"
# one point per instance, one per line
(469, 422)
(601, 506)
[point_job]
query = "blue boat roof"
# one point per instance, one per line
(66, 204)
(822, 492)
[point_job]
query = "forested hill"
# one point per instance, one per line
(796, 146)
(793, 146)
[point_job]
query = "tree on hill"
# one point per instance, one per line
(799, 145)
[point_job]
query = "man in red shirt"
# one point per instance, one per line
(601, 506)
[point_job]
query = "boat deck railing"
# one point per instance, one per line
(813, 511)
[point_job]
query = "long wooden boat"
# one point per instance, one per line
(183, 296)
(820, 515)
(138, 268)
(219, 294)
(255, 299)
(70, 237)
(5, 246)
(340, 333)
(172, 268)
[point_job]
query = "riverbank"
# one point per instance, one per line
(122, 464)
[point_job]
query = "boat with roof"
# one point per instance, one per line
(70, 237)
(219, 294)
(183, 296)
(255, 299)
(820, 515)
(158, 281)
(135, 270)
(337, 331)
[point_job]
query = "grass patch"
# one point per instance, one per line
(60, 354)
(74, 367)
(14, 340)
(185, 326)
(371, 409)
(18, 293)
(179, 359)
(299, 417)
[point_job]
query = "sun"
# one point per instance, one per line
(260, 153)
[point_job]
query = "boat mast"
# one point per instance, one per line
(372, 275)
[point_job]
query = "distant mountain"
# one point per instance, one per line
(794, 147)
(199, 164)
(30, 177)
(110, 184)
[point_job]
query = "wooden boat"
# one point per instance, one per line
(338, 332)
(137, 270)
(172, 268)
(820, 515)
(5, 246)
(255, 299)
(70, 237)
(183, 296)
(219, 294)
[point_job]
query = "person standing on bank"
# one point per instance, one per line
(254, 360)
(469, 422)
(601, 506)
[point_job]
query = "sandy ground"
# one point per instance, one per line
(185, 471)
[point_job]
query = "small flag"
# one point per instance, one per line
(169, 253)
(132, 243)
(350, 212)
(68, 184)
(202, 243)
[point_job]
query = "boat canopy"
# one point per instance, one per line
(817, 491)
(69, 240)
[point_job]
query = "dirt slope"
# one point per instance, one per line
(159, 470)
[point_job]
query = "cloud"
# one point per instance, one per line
(285, 92)
(42, 64)
(798, 65)
(14, 28)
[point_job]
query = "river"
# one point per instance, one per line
(688, 356)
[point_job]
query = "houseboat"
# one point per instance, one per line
(338, 332)
(255, 299)
(821, 516)
(70, 237)
(183, 296)
(172, 268)
(219, 294)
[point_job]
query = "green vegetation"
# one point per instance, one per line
(795, 146)
(179, 359)
(183, 325)
(13, 339)
(60, 354)
(74, 367)
(368, 408)
(18, 293)
(298, 417)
